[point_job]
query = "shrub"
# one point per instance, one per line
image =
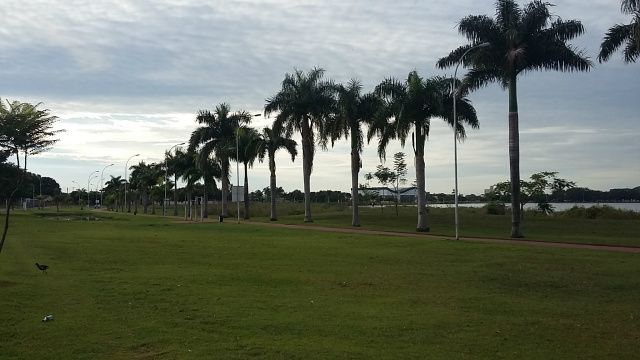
(598, 212)
(495, 208)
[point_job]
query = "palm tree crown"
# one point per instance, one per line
(621, 33)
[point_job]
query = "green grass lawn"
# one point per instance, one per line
(135, 287)
(473, 223)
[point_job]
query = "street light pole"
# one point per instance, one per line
(89, 186)
(126, 165)
(455, 134)
(102, 184)
(164, 201)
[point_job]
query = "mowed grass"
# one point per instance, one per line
(474, 222)
(136, 287)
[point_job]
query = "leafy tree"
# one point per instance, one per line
(270, 141)
(354, 111)
(520, 40)
(621, 33)
(411, 105)
(217, 135)
(536, 189)
(304, 104)
(386, 177)
(24, 130)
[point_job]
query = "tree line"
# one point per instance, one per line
(517, 40)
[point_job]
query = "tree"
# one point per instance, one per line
(305, 104)
(520, 40)
(386, 177)
(24, 130)
(187, 167)
(270, 142)
(411, 105)
(115, 186)
(621, 33)
(354, 110)
(400, 172)
(536, 189)
(248, 151)
(172, 161)
(144, 177)
(217, 135)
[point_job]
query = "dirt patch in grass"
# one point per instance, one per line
(6, 284)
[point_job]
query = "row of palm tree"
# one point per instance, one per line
(516, 41)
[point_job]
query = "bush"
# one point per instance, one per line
(495, 208)
(598, 212)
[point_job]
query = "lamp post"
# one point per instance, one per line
(164, 201)
(89, 186)
(126, 167)
(78, 189)
(102, 184)
(455, 134)
(238, 168)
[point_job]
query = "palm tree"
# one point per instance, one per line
(354, 110)
(520, 40)
(304, 103)
(218, 136)
(144, 177)
(248, 142)
(412, 104)
(620, 33)
(187, 167)
(210, 169)
(173, 166)
(114, 186)
(269, 143)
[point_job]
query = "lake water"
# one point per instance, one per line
(556, 206)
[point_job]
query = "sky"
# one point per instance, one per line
(128, 77)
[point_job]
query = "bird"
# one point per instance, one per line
(42, 267)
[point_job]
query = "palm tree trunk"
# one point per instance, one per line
(272, 190)
(514, 159)
(175, 195)
(225, 188)
(421, 196)
(246, 193)
(306, 170)
(355, 168)
(205, 201)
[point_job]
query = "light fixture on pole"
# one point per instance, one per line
(238, 168)
(126, 165)
(164, 201)
(89, 186)
(455, 133)
(102, 184)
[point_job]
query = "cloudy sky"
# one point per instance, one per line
(127, 77)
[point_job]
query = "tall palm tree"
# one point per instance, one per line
(217, 135)
(621, 33)
(248, 142)
(354, 110)
(270, 142)
(412, 104)
(520, 40)
(304, 104)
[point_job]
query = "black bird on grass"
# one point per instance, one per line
(42, 267)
